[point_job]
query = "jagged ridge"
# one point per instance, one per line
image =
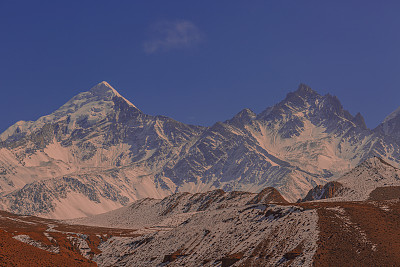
(99, 137)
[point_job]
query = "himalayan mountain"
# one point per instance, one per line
(99, 152)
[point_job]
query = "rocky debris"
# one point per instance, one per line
(171, 257)
(80, 243)
(231, 259)
(3, 171)
(290, 256)
(28, 240)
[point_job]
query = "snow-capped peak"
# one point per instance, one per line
(93, 105)
(105, 90)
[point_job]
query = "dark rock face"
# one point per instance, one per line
(329, 190)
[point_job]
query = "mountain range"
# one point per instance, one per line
(99, 152)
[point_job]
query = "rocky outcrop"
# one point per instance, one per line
(319, 192)
(268, 195)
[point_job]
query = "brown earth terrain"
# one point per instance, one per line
(351, 234)
(385, 193)
(358, 233)
(50, 234)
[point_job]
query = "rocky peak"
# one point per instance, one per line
(246, 113)
(305, 104)
(305, 89)
(359, 120)
(391, 125)
(303, 98)
(84, 109)
(105, 91)
(243, 117)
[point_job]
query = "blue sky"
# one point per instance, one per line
(199, 61)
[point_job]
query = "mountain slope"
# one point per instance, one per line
(302, 141)
(207, 228)
(176, 208)
(99, 139)
(99, 152)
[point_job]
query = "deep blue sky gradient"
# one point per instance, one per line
(252, 53)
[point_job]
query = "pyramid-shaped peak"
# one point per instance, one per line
(106, 91)
(298, 98)
(359, 120)
(244, 116)
(246, 113)
(305, 89)
(105, 84)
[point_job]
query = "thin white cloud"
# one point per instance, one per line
(169, 35)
